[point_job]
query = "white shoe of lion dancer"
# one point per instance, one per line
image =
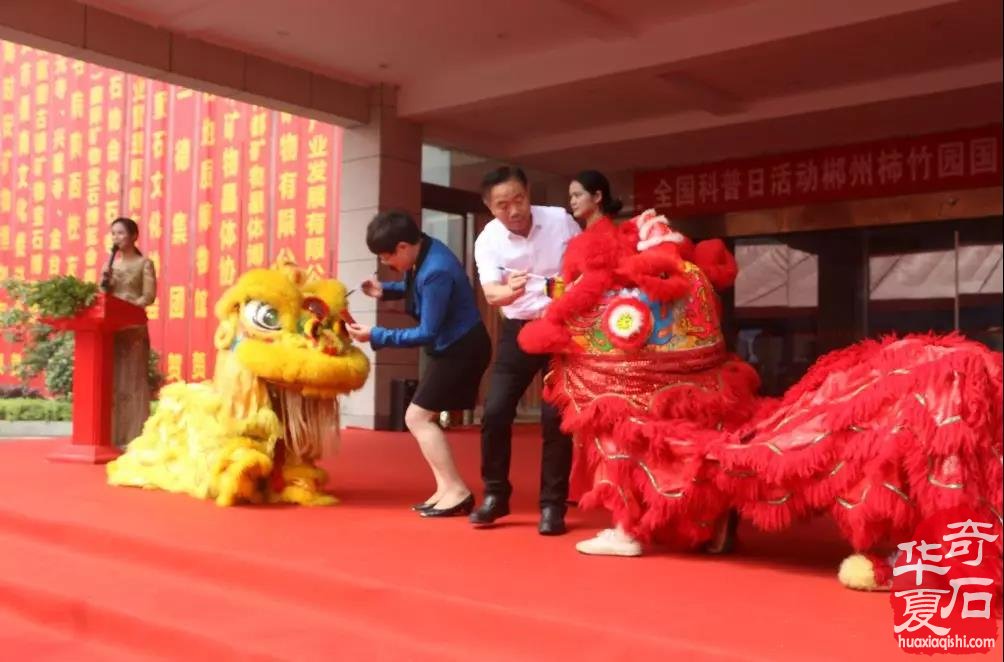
(610, 542)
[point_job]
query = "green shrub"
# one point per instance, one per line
(30, 409)
(62, 296)
(33, 409)
(45, 351)
(59, 366)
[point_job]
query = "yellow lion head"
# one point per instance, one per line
(288, 331)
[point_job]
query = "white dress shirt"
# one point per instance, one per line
(496, 251)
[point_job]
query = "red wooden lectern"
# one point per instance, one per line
(93, 377)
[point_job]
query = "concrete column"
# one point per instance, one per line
(381, 169)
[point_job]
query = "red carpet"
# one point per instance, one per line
(89, 572)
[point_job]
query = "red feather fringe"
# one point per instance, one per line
(853, 440)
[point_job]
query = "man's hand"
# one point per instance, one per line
(359, 332)
(371, 287)
(517, 283)
(503, 294)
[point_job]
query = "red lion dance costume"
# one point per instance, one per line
(671, 437)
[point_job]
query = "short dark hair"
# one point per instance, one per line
(501, 176)
(388, 229)
(595, 182)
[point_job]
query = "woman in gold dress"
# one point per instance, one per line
(133, 278)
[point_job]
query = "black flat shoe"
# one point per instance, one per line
(419, 507)
(492, 508)
(552, 521)
(459, 510)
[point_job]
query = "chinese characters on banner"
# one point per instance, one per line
(943, 595)
(26, 241)
(317, 167)
(304, 203)
(58, 204)
(95, 225)
(969, 158)
(46, 262)
(291, 186)
(256, 210)
(175, 305)
(151, 220)
(69, 146)
(8, 95)
(114, 169)
(202, 224)
(225, 235)
(206, 179)
(7, 107)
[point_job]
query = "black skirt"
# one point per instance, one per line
(452, 376)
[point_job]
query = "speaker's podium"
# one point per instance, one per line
(94, 329)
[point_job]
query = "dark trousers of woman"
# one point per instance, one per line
(512, 372)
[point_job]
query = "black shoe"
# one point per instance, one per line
(492, 508)
(419, 507)
(462, 508)
(552, 521)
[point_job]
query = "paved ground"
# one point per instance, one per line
(34, 429)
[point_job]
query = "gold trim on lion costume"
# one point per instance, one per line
(255, 431)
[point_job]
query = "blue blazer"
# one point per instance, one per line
(438, 294)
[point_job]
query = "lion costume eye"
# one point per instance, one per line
(262, 316)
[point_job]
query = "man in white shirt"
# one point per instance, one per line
(515, 254)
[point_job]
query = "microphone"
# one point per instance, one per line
(106, 280)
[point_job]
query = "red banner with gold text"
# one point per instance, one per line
(215, 185)
(968, 158)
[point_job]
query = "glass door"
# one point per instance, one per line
(798, 296)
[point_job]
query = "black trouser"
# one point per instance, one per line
(512, 373)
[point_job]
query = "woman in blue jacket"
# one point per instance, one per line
(439, 296)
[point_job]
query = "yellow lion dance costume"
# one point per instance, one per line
(254, 433)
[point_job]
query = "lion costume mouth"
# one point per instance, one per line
(310, 424)
(296, 363)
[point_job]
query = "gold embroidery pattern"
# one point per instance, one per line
(675, 494)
